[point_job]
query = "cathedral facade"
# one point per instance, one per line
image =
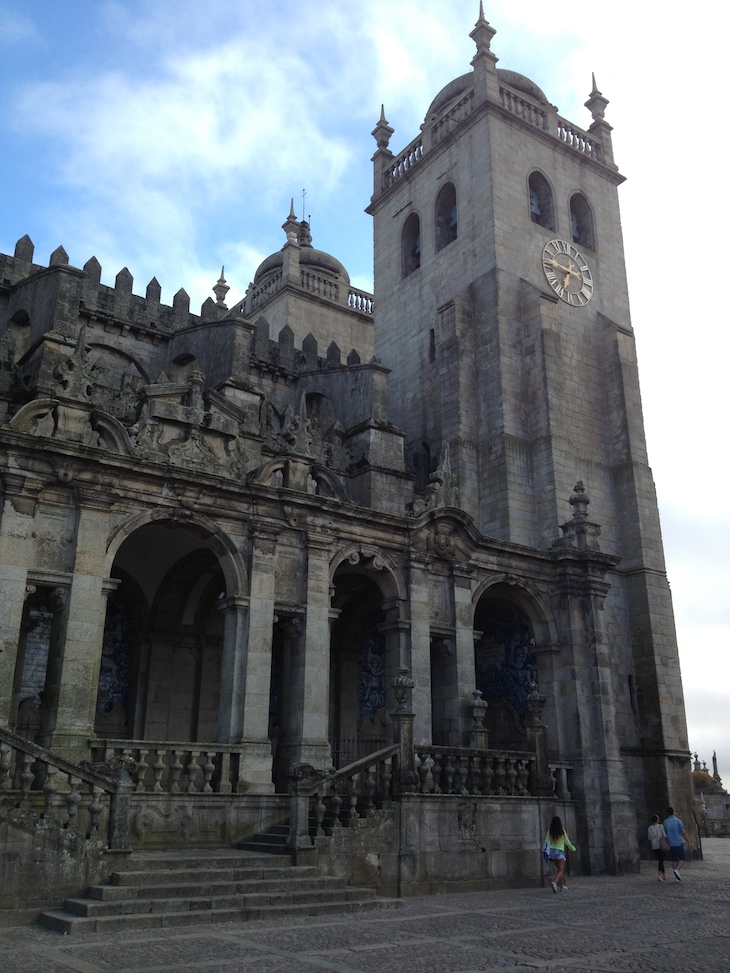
(229, 539)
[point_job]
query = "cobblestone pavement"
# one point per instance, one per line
(631, 924)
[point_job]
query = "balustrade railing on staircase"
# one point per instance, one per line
(322, 801)
(39, 786)
(457, 770)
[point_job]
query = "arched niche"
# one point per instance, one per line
(540, 195)
(582, 223)
(446, 216)
(411, 244)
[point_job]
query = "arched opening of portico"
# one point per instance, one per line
(160, 674)
(505, 663)
(365, 655)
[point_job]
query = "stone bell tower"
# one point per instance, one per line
(502, 308)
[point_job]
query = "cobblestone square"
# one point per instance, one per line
(629, 924)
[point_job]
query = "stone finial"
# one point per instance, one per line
(290, 226)
(535, 703)
(403, 687)
(579, 533)
(24, 248)
(221, 289)
(599, 128)
(382, 131)
(443, 482)
(74, 373)
(305, 236)
(478, 707)
(596, 103)
(715, 774)
(579, 501)
(59, 258)
(483, 33)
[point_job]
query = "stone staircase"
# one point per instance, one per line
(162, 889)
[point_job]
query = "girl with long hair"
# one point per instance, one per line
(556, 841)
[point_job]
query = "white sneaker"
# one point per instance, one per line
(564, 888)
(677, 876)
(555, 887)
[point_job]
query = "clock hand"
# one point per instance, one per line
(568, 270)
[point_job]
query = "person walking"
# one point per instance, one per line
(656, 834)
(676, 836)
(556, 841)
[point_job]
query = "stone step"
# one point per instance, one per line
(104, 900)
(182, 860)
(276, 878)
(269, 847)
(273, 842)
(167, 889)
(62, 922)
(202, 873)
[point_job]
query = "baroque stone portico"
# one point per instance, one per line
(394, 557)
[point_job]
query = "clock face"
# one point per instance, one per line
(567, 273)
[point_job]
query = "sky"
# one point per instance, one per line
(168, 136)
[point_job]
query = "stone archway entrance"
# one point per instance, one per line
(160, 673)
(367, 646)
(504, 664)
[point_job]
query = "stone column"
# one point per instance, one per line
(254, 658)
(420, 653)
(590, 737)
(84, 634)
(314, 669)
(395, 630)
(537, 741)
(233, 669)
(16, 525)
(402, 685)
(465, 674)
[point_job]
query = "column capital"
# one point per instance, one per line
(232, 603)
(264, 537)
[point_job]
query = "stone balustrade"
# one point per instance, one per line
(409, 158)
(516, 105)
(457, 770)
(321, 286)
(40, 785)
(448, 122)
(177, 768)
(262, 293)
(579, 140)
(361, 301)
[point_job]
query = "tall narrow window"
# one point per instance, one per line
(581, 221)
(446, 222)
(541, 201)
(411, 244)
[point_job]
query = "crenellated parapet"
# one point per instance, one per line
(57, 294)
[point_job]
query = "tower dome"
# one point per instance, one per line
(310, 258)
